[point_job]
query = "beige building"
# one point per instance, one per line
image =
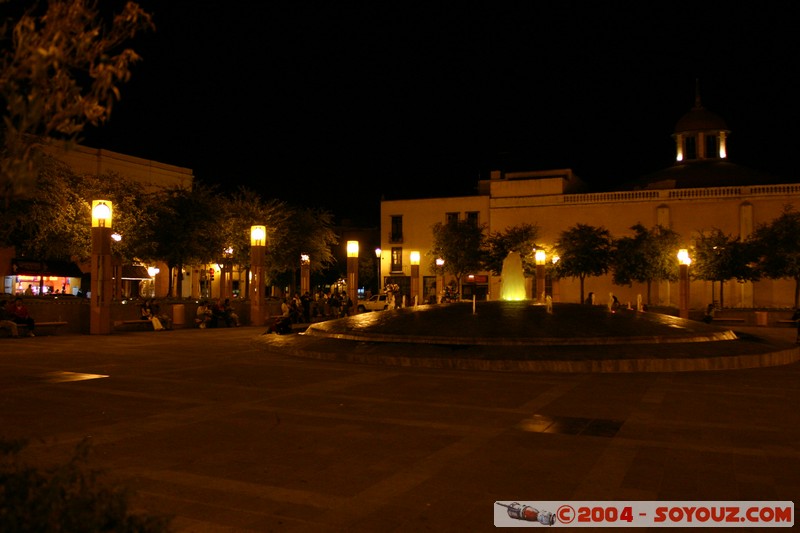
(700, 192)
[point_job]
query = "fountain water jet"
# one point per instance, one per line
(513, 278)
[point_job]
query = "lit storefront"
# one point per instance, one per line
(39, 278)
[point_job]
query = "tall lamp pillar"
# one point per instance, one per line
(440, 279)
(415, 277)
(258, 285)
(378, 253)
(305, 274)
(226, 274)
(540, 259)
(102, 282)
(684, 261)
(352, 271)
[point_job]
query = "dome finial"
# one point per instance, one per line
(697, 103)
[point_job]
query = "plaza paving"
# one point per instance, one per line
(232, 430)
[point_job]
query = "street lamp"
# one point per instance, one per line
(540, 257)
(414, 256)
(101, 285)
(378, 253)
(305, 274)
(258, 284)
(152, 271)
(226, 274)
(352, 271)
(684, 261)
(440, 278)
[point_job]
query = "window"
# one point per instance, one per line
(691, 148)
(451, 218)
(712, 149)
(397, 229)
(472, 217)
(397, 259)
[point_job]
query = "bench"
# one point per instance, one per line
(139, 322)
(727, 319)
(42, 325)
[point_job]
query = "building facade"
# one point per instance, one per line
(702, 191)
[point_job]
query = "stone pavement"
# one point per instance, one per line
(228, 430)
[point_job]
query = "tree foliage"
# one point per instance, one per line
(300, 231)
(185, 229)
(777, 248)
(61, 67)
(69, 497)
(718, 257)
(520, 239)
(584, 251)
(648, 255)
(462, 246)
(53, 223)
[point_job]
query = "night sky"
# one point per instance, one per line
(334, 106)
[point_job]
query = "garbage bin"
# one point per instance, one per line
(178, 315)
(761, 318)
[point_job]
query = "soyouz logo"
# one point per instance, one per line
(645, 514)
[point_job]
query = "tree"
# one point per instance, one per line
(186, 229)
(53, 222)
(647, 256)
(719, 257)
(61, 72)
(520, 239)
(777, 246)
(584, 251)
(462, 246)
(301, 231)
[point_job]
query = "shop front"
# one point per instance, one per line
(40, 278)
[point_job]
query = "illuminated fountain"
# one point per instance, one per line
(513, 278)
(511, 334)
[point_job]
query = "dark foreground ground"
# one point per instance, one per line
(230, 430)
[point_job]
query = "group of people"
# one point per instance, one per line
(151, 311)
(15, 314)
(216, 313)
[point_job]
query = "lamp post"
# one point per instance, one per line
(540, 259)
(414, 276)
(305, 274)
(226, 274)
(554, 281)
(440, 278)
(378, 253)
(101, 286)
(352, 271)
(258, 235)
(152, 271)
(684, 261)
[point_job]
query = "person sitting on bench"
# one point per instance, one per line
(18, 313)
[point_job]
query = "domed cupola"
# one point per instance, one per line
(700, 135)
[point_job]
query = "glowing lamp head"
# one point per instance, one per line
(540, 257)
(258, 235)
(352, 248)
(414, 256)
(101, 214)
(152, 271)
(683, 257)
(378, 252)
(305, 259)
(439, 262)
